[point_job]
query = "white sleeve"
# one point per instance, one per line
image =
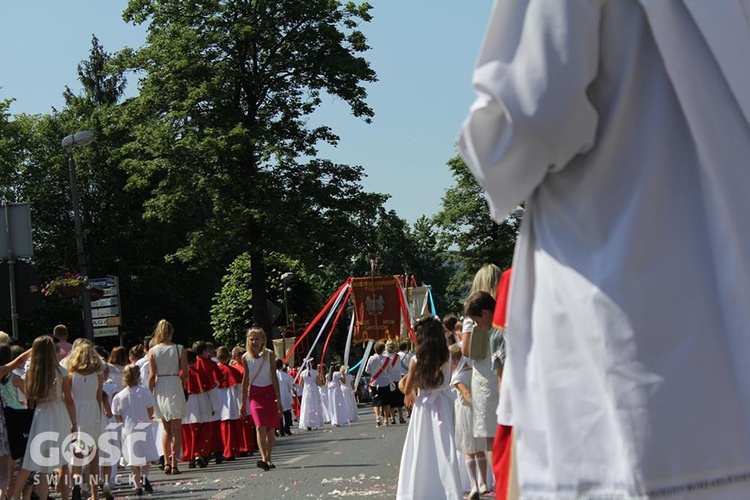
(531, 114)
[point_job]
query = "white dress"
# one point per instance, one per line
(168, 392)
(350, 397)
(484, 392)
(138, 444)
(88, 410)
(50, 416)
(429, 463)
(110, 451)
(348, 393)
(338, 405)
(325, 402)
(628, 327)
(466, 443)
(311, 411)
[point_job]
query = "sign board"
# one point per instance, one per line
(106, 332)
(105, 311)
(100, 322)
(15, 231)
(104, 302)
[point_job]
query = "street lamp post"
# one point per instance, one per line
(70, 142)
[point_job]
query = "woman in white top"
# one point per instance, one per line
(86, 379)
(259, 382)
(167, 378)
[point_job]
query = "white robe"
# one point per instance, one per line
(628, 325)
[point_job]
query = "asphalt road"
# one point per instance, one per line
(359, 460)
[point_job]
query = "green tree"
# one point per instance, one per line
(226, 94)
(470, 234)
(118, 240)
(232, 309)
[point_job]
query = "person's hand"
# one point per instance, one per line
(243, 410)
(278, 406)
(409, 400)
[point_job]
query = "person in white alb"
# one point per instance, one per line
(625, 127)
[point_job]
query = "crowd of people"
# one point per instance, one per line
(452, 383)
(158, 404)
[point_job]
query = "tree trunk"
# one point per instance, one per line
(258, 287)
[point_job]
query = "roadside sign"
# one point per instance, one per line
(100, 322)
(105, 311)
(105, 302)
(106, 332)
(15, 231)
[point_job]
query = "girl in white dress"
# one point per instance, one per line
(134, 408)
(167, 378)
(347, 390)
(85, 371)
(323, 390)
(473, 448)
(48, 392)
(484, 384)
(339, 407)
(311, 412)
(429, 464)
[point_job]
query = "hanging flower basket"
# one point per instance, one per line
(69, 290)
(68, 285)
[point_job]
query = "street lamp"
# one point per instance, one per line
(70, 142)
(285, 279)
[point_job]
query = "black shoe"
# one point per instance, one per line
(147, 485)
(191, 464)
(219, 458)
(202, 462)
(139, 492)
(161, 462)
(262, 465)
(76, 493)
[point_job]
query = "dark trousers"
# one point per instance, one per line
(286, 422)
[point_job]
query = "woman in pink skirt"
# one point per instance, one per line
(259, 382)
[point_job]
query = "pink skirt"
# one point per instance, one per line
(263, 406)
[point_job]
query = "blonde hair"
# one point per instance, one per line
(163, 332)
(84, 359)
(486, 280)
(455, 352)
(131, 375)
(43, 369)
(255, 331)
(237, 352)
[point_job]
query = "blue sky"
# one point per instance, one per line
(422, 50)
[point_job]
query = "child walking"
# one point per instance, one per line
(47, 390)
(472, 448)
(429, 448)
(134, 408)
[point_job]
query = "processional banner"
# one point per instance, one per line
(377, 310)
(416, 300)
(283, 346)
